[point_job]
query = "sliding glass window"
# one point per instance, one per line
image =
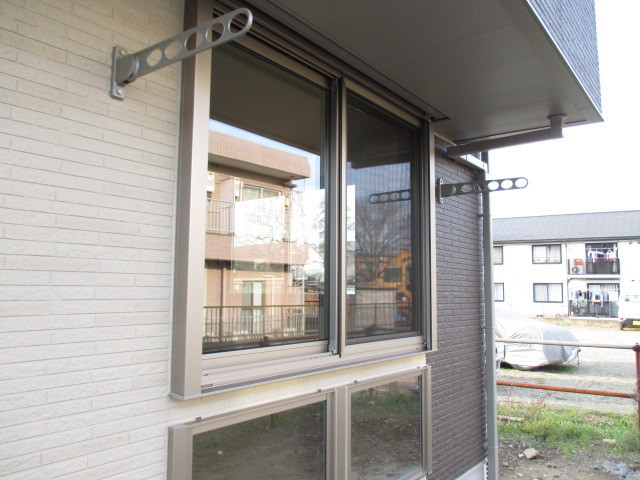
(302, 229)
(382, 153)
(386, 430)
(264, 263)
(376, 428)
(287, 444)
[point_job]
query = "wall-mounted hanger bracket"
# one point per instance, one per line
(126, 67)
(554, 131)
(498, 185)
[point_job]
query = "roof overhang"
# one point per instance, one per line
(480, 68)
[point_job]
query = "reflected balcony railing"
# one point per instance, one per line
(220, 216)
(594, 266)
(228, 328)
(264, 219)
(235, 327)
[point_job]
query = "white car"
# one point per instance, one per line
(527, 356)
(629, 311)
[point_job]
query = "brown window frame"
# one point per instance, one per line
(193, 374)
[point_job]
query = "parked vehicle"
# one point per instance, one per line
(528, 356)
(629, 311)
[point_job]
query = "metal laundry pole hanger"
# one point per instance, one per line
(126, 67)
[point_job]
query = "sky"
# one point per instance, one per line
(594, 168)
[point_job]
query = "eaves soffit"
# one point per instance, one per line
(480, 68)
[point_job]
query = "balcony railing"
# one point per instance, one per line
(594, 266)
(594, 308)
(220, 216)
(256, 221)
(366, 319)
(229, 328)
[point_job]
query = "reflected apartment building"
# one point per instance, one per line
(233, 265)
(264, 259)
(260, 282)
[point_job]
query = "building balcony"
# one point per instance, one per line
(265, 218)
(220, 216)
(593, 308)
(594, 266)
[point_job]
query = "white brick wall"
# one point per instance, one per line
(86, 235)
(86, 239)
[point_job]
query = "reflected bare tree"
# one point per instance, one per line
(382, 230)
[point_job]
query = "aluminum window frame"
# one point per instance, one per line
(195, 374)
(355, 89)
(180, 464)
(496, 297)
(426, 417)
(337, 400)
(498, 248)
(547, 256)
(547, 300)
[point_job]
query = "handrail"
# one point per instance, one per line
(635, 348)
(571, 344)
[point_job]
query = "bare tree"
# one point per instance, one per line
(382, 230)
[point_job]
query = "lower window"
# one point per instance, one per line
(385, 432)
(278, 445)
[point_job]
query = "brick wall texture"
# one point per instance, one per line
(572, 24)
(87, 189)
(458, 368)
(87, 205)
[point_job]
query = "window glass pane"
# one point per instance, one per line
(284, 445)
(385, 430)
(497, 255)
(265, 239)
(555, 292)
(250, 193)
(539, 254)
(381, 152)
(539, 292)
(546, 254)
(498, 292)
(554, 254)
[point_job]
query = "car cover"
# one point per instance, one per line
(529, 356)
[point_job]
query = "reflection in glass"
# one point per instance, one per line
(264, 259)
(284, 445)
(381, 152)
(385, 431)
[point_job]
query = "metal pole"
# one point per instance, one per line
(567, 389)
(489, 334)
(572, 344)
(636, 349)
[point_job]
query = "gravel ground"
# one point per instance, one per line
(597, 369)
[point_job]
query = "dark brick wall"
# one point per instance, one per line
(572, 24)
(457, 367)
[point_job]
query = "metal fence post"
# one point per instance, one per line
(636, 349)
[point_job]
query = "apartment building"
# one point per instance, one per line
(223, 250)
(574, 265)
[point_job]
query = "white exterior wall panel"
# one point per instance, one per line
(519, 274)
(87, 201)
(629, 252)
(87, 233)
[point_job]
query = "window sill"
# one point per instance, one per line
(231, 377)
